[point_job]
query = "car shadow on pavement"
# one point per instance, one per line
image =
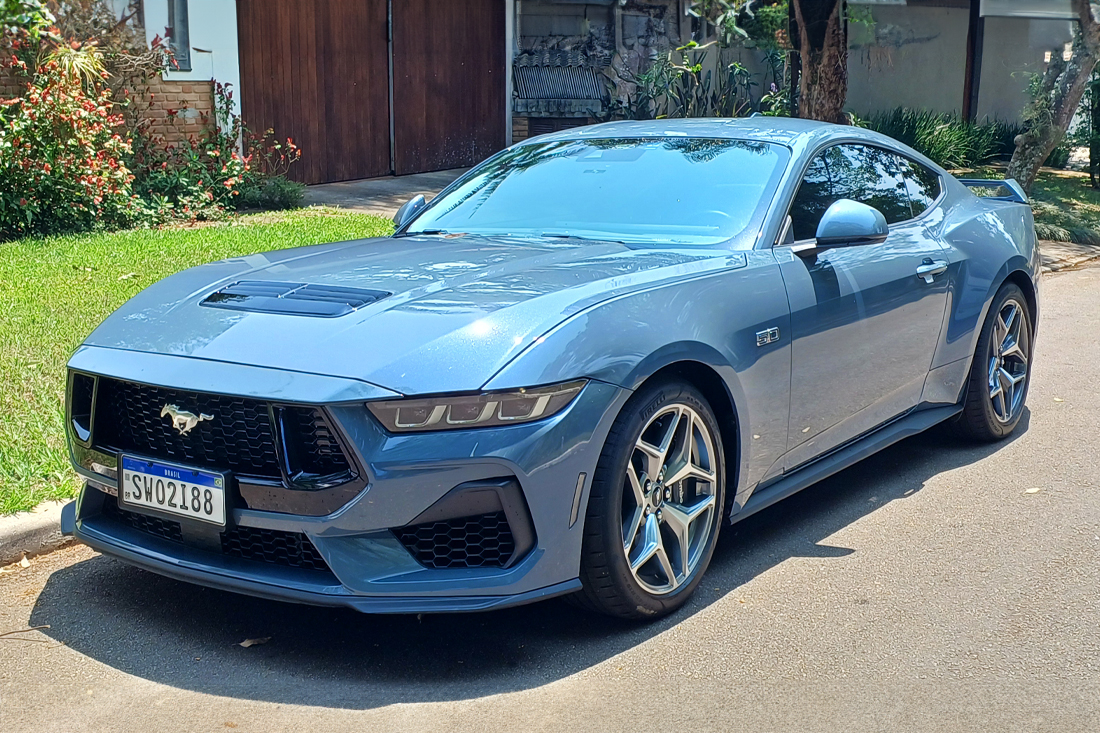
(188, 637)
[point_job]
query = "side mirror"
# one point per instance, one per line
(848, 223)
(409, 210)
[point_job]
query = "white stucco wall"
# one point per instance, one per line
(213, 35)
(1014, 49)
(912, 57)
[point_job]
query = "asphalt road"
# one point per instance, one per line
(927, 589)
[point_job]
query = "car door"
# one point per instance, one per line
(864, 323)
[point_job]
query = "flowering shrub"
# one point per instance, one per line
(204, 176)
(61, 157)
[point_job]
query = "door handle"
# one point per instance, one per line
(929, 269)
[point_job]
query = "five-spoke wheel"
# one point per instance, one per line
(669, 498)
(1001, 370)
(655, 506)
(1008, 364)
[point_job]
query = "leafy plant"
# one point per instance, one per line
(25, 16)
(944, 138)
(62, 163)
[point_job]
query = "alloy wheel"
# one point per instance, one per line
(669, 499)
(1008, 362)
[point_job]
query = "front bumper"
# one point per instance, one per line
(367, 567)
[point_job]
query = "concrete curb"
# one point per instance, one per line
(32, 533)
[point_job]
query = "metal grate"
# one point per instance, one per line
(239, 437)
(467, 542)
(289, 549)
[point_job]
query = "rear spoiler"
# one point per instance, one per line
(1013, 191)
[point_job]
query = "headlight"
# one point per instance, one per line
(484, 410)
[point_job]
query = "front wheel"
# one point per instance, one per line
(655, 506)
(1001, 372)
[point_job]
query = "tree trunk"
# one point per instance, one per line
(823, 50)
(1056, 100)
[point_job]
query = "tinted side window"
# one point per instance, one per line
(872, 176)
(813, 198)
(869, 175)
(924, 187)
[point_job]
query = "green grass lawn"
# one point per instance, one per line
(54, 291)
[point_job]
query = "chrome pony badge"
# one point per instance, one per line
(182, 420)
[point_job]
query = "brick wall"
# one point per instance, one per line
(527, 127)
(193, 102)
(520, 129)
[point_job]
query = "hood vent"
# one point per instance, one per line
(293, 299)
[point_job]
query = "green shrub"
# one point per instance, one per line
(62, 163)
(942, 137)
(274, 194)
(953, 143)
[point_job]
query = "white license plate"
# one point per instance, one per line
(176, 490)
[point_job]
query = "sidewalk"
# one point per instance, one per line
(381, 196)
(1065, 255)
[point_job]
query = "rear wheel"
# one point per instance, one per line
(1001, 372)
(655, 506)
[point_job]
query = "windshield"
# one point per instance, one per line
(674, 190)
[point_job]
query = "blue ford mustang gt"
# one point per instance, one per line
(564, 375)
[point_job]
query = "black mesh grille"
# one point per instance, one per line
(163, 528)
(468, 542)
(318, 452)
(238, 438)
(289, 549)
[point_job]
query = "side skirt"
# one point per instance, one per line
(911, 424)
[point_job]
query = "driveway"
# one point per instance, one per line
(935, 587)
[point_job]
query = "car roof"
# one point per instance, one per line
(798, 134)
(783, 130)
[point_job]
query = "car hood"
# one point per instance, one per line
(459, 310)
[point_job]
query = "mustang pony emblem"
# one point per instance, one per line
(182, 420)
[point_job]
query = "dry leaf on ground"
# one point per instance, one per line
(255, 642)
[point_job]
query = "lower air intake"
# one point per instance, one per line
(483, 541)
(289, 549)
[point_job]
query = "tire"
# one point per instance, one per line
(988, 416)
(624, 497)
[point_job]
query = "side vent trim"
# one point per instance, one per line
(292, 299)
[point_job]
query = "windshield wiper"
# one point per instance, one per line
(564, 235)
(435, 232)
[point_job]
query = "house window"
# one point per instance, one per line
(179, 34)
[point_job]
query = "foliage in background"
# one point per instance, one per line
(951, 141)
(1055, 98)
(54, 291)
(62, 161)
(25, 16)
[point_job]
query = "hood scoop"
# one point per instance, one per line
(292, 299)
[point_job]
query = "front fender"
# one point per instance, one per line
(712, 320)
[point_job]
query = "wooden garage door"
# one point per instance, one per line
(318, 71)
(448, 83)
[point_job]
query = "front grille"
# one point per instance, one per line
(289, 549)
(236, 434)
(317, 450)
(238, 438)
(468, 542)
